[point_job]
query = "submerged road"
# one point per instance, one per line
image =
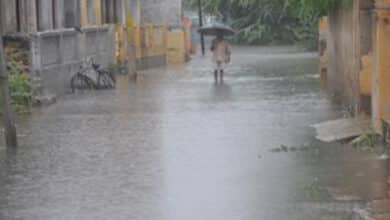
(175, 146)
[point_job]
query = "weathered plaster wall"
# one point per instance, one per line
(381, 73)
(57, 55)
(162, 12)
(340, 78)
(349, 52)
(323, 50)
(364, 52)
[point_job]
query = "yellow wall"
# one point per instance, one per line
(155, 40)
(130, 29)
(366, 75)
(121, 44)
(176, 47)
(149, 40)
(323, 25)
(98, 12)
(97, 4)
(137, 41)
(83, 12)
(381, 77)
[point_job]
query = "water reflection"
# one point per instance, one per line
(221, 92)
(172, 147)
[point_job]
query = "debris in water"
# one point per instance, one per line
(384, 157)
(342, 129)
(365, 140)
(284, 148)
(315, 191)
(276, 150)
(347, 198)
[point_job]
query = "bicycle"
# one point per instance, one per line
(83, 81)
(105, 79)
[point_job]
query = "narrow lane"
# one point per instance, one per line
(175, 146)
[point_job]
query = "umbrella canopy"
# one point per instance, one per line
(215, 29)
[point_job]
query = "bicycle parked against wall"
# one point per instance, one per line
(92, 77)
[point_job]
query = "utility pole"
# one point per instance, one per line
(201, 25)
(8, 119)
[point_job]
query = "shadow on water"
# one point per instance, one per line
(221, 92)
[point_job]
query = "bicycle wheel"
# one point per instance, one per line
(105, 80)
(110, 74)
(90, 84)
(81, 82)
(75, 82)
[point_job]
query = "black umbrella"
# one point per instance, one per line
(215, 29)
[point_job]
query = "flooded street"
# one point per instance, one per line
(175, 146)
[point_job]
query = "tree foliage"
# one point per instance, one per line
(266, 21)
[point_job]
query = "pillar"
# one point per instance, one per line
(59, 16)
(8, 12)
(45, 21)
(381, 65)
(98, 12)
(31, 16)
(91, 12)
(83, 12)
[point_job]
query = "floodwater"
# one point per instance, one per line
(175, 146)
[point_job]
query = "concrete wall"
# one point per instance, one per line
(359, 54)
(162, 12)
(155, 21)
(150, 46)
(56, 49)
(57, 55)
(349, 51)
(341, 76)
(381, 65)
(365, 50)
(323, 50)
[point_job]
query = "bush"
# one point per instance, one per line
(20, 89)
(19, 82)
(118, 69)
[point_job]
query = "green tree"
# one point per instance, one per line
(266, 21)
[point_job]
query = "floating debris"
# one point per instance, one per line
(286, 149)
(343, 129)
(384, 157)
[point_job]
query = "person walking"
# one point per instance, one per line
(221, 55)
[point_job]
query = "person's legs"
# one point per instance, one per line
(218, 68)
(221, 71)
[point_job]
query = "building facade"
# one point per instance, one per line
(58, 35)
(357, 54)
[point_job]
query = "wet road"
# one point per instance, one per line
(174, 146)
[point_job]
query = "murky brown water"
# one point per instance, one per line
(175, 146)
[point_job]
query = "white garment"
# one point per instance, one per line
(219, 66)
(221, 51)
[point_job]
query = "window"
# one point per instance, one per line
(71, 13)
(91, 13)
(111, 11)
(46, 14)
(38, 12)
(18, 16)
(54, 14)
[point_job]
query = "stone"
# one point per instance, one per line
(44, 100)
